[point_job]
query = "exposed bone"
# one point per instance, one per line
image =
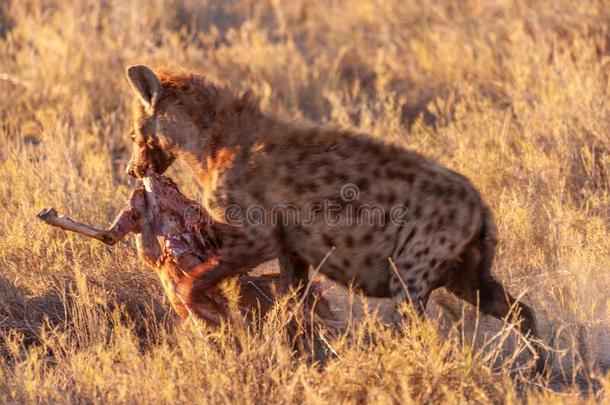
(173, 245)
(49, 215)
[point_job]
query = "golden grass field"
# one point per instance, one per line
(513, 94)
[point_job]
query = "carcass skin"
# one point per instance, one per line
(175, 235)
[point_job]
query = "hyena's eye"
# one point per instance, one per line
(151, 143)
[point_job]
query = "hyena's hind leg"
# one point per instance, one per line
(474, 284)
(410, 282)
(471, 280)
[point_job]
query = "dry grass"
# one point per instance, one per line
(514, 94)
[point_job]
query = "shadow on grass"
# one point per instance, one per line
(84, 318)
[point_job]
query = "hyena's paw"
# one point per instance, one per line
(209, 306)
(48, 215)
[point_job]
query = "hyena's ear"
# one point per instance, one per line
(146, 84)
(248, 101)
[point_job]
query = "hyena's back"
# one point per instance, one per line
(369, 185)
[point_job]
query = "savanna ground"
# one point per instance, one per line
(514, 94)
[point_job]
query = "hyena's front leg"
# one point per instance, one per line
(294, 271)
(241, 252)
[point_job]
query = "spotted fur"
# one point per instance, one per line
(245, 158)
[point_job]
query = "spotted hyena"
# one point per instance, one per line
(272, 183)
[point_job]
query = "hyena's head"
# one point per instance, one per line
(173, 112)
(153, 125)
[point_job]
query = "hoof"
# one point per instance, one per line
(47, 214)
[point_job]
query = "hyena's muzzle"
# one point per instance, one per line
(145, 157)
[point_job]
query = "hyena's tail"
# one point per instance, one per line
(494, 299)
(488, 240)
